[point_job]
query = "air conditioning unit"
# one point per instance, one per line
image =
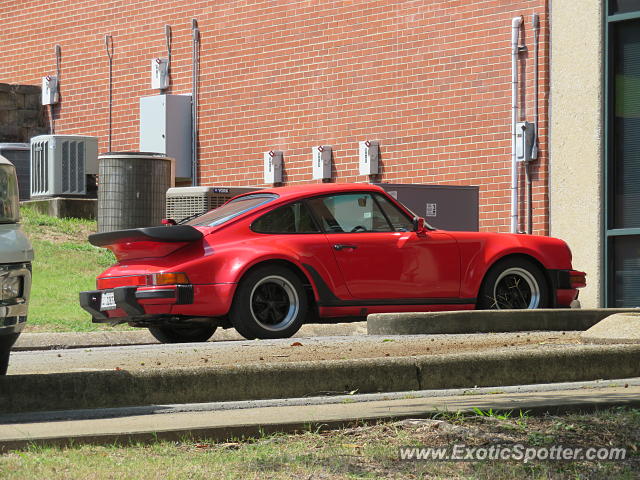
(60, 163)
(183, 202)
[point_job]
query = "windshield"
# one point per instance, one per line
(8, 194)
(231, 210)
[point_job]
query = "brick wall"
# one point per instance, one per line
(428, 79)
(21, 115)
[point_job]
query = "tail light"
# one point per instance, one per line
(169, 278)
(577, 279)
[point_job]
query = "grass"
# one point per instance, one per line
(367, 452)
(65, 264)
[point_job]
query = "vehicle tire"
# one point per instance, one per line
(186, 334)
(514, 283)
(4, 361)
(270, 302)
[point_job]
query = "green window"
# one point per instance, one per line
(293, 218)
(622, 242)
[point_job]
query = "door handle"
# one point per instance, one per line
(342, 246)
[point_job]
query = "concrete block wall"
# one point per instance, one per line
(430, 80)
(21, 115)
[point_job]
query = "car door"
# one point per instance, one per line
(380, 255)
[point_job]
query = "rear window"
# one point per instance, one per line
(232, 209)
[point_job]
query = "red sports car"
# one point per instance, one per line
(266, 262)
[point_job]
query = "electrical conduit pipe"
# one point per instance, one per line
(515, 34)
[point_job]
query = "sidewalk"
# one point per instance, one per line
(222, 422)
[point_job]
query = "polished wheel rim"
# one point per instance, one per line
(516, 288)
(274, 303)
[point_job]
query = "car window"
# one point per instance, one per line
(293, 218)
(397, 217)
(354, 212)
(232, 209)
(9, 205)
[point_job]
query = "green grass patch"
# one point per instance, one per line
(65, 264)
(363, 451)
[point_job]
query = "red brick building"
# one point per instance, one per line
(429, 79)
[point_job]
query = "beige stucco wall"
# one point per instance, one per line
(576, 136)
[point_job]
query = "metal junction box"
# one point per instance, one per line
(165, 127)
(160, 73)
(272, 166)
(446, 207)
(49, 90)
(368, 154)
(321, 156)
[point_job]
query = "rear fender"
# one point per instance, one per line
(552, 256)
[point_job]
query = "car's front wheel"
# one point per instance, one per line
(186, 334)
(270, 302)
(514, 283)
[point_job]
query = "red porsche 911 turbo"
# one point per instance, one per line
(268, 261)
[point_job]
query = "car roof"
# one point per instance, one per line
(298, 191)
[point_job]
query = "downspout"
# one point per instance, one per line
(108, 41)
(515, 33)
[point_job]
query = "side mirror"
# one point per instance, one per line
(418, 225)
(167, 222)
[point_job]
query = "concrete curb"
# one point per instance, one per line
(254, 423)
(477, 321)
(24, 393)
(618, 328)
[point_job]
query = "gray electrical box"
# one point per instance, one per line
(165, 127)
(446, 207)
(525, 136)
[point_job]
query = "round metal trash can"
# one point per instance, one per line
(132, 189)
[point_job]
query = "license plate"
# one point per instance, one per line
(107, 302)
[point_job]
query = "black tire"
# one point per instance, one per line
(514, 283)
(186, 334)
(270, 302)
(4, 361)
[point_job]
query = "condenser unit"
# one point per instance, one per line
(183, 202)
(60, 163)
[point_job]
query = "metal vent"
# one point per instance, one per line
(183, 202)
(59, 164)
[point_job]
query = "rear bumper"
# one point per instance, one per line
(135, 303)
(565, 284)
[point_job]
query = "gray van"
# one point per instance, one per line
(16, 254)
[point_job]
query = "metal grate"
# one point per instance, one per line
(40, 168)
(183, 202)
(132, 190)
(58, 166)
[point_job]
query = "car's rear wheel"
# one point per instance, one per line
(270, 302)
(180, 334)
(514, 283)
